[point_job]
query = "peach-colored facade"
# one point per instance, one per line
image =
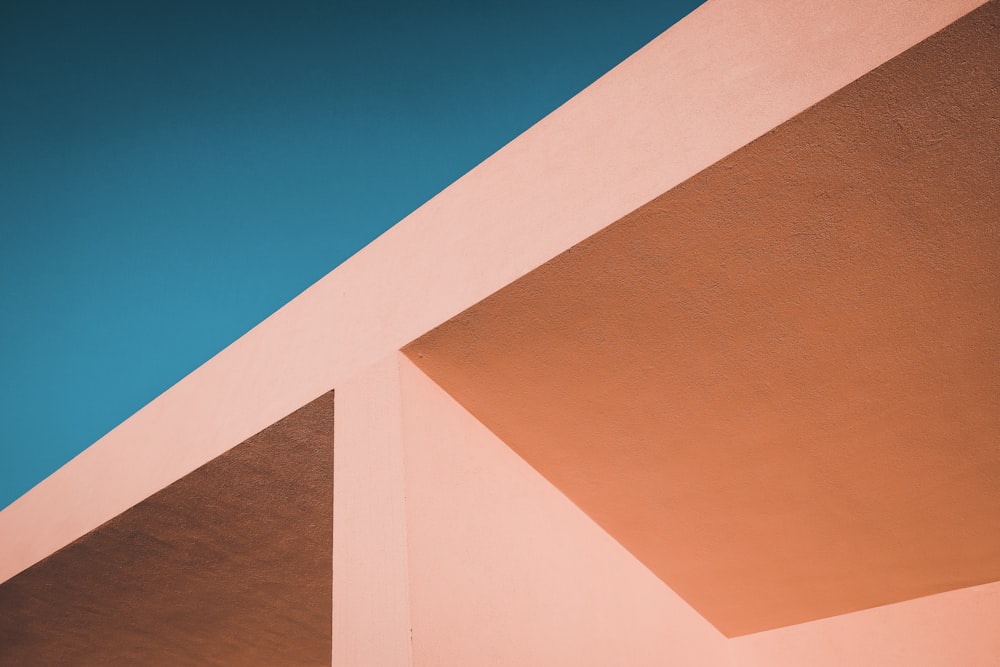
(505, 570)
(783, 367)
(448, 547)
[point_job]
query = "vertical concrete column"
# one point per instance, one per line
(371, 615)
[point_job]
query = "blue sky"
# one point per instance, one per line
(171, 173)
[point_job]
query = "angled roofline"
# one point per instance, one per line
(725, 75)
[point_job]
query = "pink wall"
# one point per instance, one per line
(449, 549)
(958, 628)
(439, 527)
(371, 613)
(722, 77)
(504, 570)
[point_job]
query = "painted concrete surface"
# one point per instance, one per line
(371, 611)
(450, 549)
(505, 570)
(955, 628)
(722, 77)
(778, 384)
(230, 565)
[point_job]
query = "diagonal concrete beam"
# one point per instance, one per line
(722, 77)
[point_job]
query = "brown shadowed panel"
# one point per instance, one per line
(778, 384)
(230, 565)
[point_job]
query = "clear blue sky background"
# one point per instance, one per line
(171, 173)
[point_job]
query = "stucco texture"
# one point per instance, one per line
(778, 384)
(230, 565)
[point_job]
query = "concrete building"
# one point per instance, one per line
(703, 369)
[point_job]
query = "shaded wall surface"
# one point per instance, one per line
(778, 384)
(505, 570)
(766, 395)
(954, 628)
(230, 565)
(728, 73)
